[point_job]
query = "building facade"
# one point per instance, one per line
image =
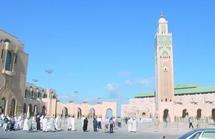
(20, 98)
(13, 69)
(170, 102)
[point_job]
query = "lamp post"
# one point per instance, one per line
(49, 72)
(75, 95)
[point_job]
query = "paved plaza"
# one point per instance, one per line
(144, 131)
(81, 135)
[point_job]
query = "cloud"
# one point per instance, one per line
(113, 90)
(143, 82)
(111, 87)
(66, 98)
(128, 82)
(124, 74)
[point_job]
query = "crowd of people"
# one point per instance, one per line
(59, 123)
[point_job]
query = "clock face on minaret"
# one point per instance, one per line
(164, 63)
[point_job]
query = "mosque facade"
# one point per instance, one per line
(17, 97)
(170, 102)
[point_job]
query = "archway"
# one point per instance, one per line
(3, 104)
(143, 114)
(184, 113)
(165, 115)
(44, 95)
(199, 114)
(35, 111)
(91, 113)
(79, 113)
(213, 114)
(109, 113)
(24, 109)
(12, 107)
(44, 110)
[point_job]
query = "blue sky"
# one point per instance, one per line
(105, 48)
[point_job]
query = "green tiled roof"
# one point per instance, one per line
(145, 94)
(183, 89)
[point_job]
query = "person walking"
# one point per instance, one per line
(190, 122)
(95, 124)
(38, 122)
(85, 124)
(99, 120)
(111, 122)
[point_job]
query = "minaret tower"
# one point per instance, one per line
(164, 65)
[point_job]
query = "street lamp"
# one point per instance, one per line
(75, 95)
(49, 71)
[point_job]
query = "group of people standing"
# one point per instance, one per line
(52, 123)
(39, 123)
(108, 124)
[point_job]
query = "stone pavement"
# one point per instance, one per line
(144, 131)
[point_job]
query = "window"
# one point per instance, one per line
(208, 135)
(8, 65)
(195, 136)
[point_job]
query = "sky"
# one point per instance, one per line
(101, 50)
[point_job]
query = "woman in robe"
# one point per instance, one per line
(85, 124)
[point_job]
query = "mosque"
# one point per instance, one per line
(170, 102)
(18, 97)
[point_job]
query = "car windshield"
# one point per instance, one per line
(186, 134)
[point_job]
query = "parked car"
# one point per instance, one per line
(200, 133)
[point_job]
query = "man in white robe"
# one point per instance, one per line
(73, 123)
(1, 120)
(51, 125)
(41, 121)
(129, 124)
(45, 122)
(18, 122)
(82, 121)
(69, 123)
(134, 125)
(34, 124)
(58, 123)
(26, 126)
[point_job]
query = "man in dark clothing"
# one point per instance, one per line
(190, 122)
(85, 124)
(38, 122)
(95, 124)
(111, 122)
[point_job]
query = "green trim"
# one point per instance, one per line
(183, 89)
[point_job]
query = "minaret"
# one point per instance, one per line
(164, 64)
